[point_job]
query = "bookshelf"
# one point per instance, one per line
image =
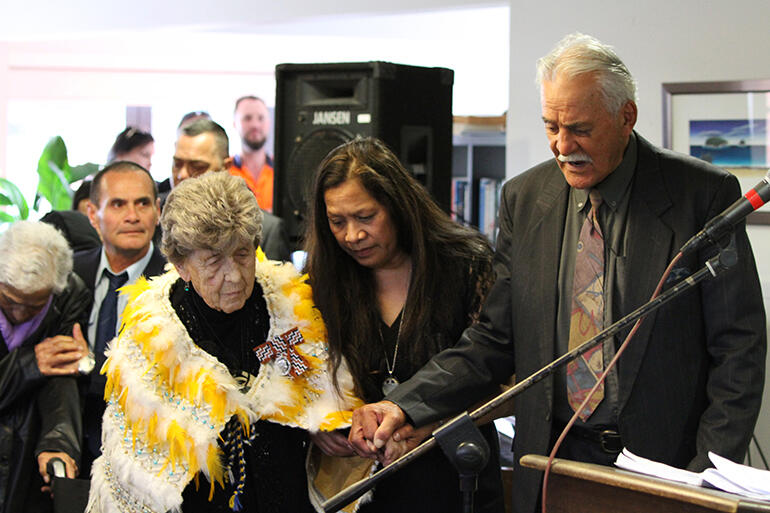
(478, 171)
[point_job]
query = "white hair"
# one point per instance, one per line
(577, 54)
(34, 256)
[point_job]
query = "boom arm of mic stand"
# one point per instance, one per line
(725, 259)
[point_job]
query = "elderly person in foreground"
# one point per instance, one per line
(41, 305)
(218, 372)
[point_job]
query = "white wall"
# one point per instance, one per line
(183, 70)
(660, 41)
(3, 103)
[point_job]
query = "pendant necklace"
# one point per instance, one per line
(391, 382)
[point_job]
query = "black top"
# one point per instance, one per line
(75, 227)
(274, 455)
(431, 482)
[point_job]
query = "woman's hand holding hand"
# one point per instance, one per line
(404, 440)
(332, 443)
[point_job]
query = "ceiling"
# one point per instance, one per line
(44, 19)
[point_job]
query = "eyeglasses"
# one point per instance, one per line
(194, 167)
(20, 304)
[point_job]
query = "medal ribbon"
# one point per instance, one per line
(283, 346)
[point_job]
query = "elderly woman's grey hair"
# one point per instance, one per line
(34, 256)
(577, 54)
(213, 212)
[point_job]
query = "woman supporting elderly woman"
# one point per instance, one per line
(396, 281)
(218, 372)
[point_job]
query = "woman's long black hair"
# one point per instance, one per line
(345, 292)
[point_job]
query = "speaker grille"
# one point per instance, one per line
(309, 151)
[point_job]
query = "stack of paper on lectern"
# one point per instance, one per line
(736, 478)
(727, 475)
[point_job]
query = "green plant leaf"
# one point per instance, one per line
(15, 197)
(7, 218)
(55, 151)
(60, 193)
(5, 200)
(83, 170)
(53, 171)
(55, 175)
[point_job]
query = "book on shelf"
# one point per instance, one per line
(461, 200)
(489, 202)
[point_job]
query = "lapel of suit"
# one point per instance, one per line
(648, 248)
(543, 245)
(86, 265)
(155, 265)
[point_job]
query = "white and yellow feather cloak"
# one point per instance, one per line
(168, 400)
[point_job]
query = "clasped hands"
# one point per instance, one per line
(60, 355)
(379, 431)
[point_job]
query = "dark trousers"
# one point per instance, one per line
(93, 411)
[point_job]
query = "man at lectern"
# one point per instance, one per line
(584, 238)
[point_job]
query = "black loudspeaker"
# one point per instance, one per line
(320, 106)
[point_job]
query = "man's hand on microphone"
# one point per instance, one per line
(373, 425)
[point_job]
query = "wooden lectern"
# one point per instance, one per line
(587, 488)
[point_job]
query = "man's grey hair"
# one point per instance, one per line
(207, 126)
(577, 54)
(213, 211)
(34, 256)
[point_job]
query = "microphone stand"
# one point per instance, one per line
(726, 258)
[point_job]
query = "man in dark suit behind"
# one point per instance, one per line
(124, 209)
(691, 380)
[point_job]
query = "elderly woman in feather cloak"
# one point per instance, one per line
(219, 371)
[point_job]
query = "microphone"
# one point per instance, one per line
(720, 225)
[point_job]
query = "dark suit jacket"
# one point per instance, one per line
(275, 241)
(75, 227)
(691, 380)
(86, 263)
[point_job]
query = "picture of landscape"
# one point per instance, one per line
(730, 142)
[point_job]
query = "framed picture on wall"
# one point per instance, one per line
(725, 123)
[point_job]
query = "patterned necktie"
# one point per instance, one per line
(587, 316)
(108, 316)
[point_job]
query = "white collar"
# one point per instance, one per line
(134, 270)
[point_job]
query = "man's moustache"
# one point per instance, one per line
(575, 157)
